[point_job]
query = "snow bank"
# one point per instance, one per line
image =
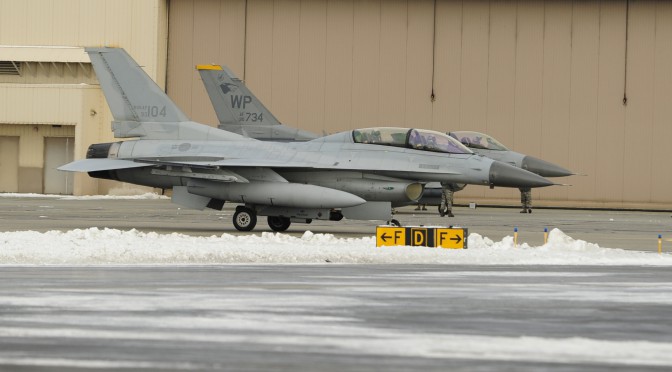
(109, 246)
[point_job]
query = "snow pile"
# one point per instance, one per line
(109, 246)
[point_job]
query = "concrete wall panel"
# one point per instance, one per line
(529, 78)
(339, 65)
(501, 79)
(584, 98)
(448, 66)
(180, 60)
(662, 109)
(232, 36)
(205, 51)
(260, 51)
(475, 46)
(312, 65)
(392, 69)
(556, 89)
(639, 110)
(610, 138)
(419, 62)
(285, 69)
(365, 62)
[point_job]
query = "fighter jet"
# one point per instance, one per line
(240, 111)
(486, 145)
(356, 174)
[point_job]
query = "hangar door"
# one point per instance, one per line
(9, 164)
(58, 151)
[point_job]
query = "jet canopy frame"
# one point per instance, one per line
(418, 139)
(476, 140)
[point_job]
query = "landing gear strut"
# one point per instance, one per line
(245, 219)
(278, 223)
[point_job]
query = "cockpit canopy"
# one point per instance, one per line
(477, 140)
(419, 139)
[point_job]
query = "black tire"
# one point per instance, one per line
(394, 222)
(277, 223)
(245, 219)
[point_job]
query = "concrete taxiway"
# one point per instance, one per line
(613, 229)
(329, 317)
(335, 318)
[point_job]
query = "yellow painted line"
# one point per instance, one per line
(208, 67)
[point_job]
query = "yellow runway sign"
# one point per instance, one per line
(415, 236)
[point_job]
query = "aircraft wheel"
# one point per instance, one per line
(393, 222)
(278, 223)
(245, 219)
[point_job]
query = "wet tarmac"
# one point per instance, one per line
(613, 229)
(335, 317)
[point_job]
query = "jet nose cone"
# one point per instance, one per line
(505, 175)
(544, 168)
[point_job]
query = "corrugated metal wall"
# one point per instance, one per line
(547, 78)
(51, 93)
(138, 26)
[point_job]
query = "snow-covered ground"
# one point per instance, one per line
(110, 246)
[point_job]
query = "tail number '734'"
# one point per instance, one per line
(250, 116)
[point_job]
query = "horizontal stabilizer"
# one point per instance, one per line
(94, 165)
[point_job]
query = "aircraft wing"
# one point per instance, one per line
(223, 163)
(94, 165)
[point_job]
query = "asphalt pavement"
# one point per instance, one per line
(612, 229)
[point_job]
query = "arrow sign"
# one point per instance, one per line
(451, 238)
(388, 235)
(385, 237)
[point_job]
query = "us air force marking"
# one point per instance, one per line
(418, 236)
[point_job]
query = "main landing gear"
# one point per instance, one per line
(278, 223)
(245, 219)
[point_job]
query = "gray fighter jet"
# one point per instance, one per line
(356, 174)
(486, 145)
(240, 111)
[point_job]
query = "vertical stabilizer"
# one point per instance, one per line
(139, 107)
(233, 102)
(240, 111)
(131, 94)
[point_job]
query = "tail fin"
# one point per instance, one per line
(130, 92)
(240, 111)
(133, 97)
(233, 102)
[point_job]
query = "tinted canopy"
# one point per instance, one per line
(476, 140)
(419, 139)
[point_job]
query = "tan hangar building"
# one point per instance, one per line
(584, 84)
